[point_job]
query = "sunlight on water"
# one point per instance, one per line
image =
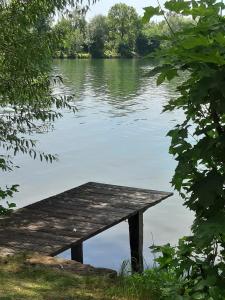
(118, 136)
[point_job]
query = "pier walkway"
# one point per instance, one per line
(65, 221)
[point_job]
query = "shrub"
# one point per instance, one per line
(111, 54)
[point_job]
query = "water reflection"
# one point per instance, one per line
(118, 136)
(117, 82)
(73, 71)
(121, 79)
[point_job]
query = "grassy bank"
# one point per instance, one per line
(19, 281)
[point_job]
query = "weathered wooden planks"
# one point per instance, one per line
(66, 220)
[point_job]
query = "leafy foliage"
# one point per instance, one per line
(124, 25)
(27, 103)
(97, 33)
(71, 31)
(198, 144)
(119, 34)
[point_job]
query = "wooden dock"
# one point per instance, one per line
(66, 220)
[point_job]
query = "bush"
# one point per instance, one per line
(83, 55)
(146, 45)
(125, 50)
(111, 54)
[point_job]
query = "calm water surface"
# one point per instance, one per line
(118, 136)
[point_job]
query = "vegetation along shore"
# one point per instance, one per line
(119, 34)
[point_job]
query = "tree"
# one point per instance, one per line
(98, 33)
(154, 34)
(72, 32)
(146, 45)
(198, 143)
(77, 18)
(63, 29)
(26, 99)
(124, 25)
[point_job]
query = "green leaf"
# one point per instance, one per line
(198, 296)
(149, 12)
(170, 74)
(161, 78)
(177, 6)
(220, 38)
(191, 42)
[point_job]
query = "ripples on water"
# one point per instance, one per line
(117, 136)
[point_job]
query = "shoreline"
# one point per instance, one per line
(99, 58)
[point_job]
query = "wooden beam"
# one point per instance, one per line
(77, 253)
(136, 242)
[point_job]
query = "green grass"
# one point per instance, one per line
(19, 281)
(151, 285)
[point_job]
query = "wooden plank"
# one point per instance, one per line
(95, 201)
(38, 235)
(103, 218)
(116, 201)
(120, 201)
(128, 192)
(101, 199)
(31, 243)
(49, 216)
(136, 242)
(131, 191)
(78, 233)
(112, 194)
(83, 205)
(75, 208)
(63, 227)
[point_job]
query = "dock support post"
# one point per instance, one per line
(77, 252)
(136, 242)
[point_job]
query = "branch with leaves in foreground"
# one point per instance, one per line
(27, 101)
(198, 144)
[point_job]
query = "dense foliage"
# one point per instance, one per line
(119, 34)
(27, 103)
(198, 144)
(97, 36)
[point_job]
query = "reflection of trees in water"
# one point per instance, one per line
(120, 78)
(121, 83)
(74, 73)
(117, 82)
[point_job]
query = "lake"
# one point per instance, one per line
(117, 136)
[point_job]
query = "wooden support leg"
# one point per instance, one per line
(136, 242)
(77, 253)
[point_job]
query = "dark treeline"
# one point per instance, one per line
(119, 34)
